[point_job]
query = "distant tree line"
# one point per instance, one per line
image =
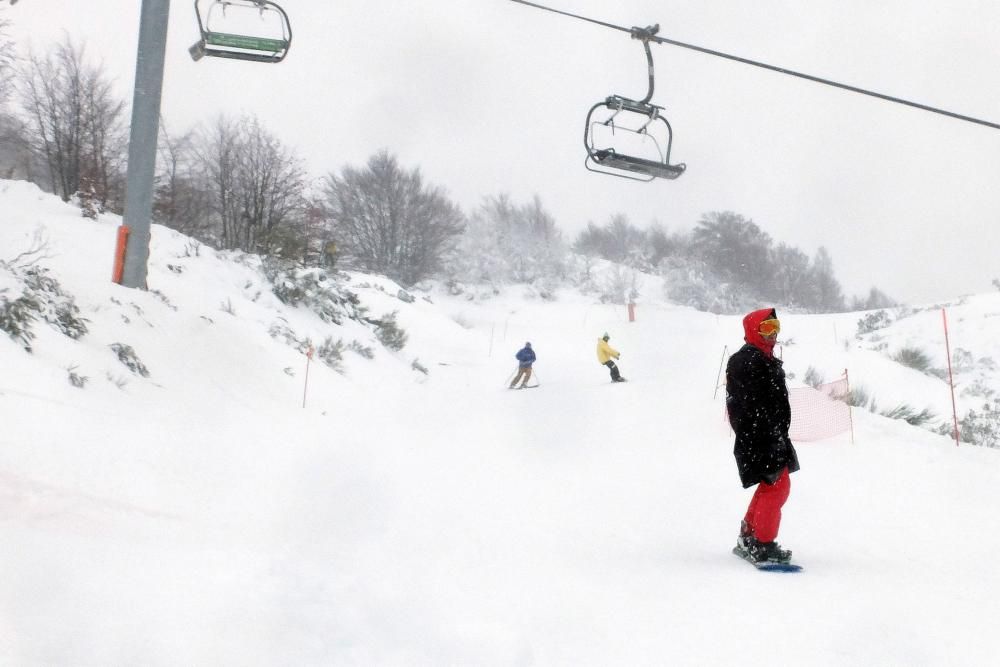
(234, 185)
(727, 263)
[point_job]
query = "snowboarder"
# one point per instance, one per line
(757, 404)
(606, 354)
(525, 357)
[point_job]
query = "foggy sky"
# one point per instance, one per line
(490, 96)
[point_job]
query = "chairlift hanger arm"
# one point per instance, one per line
(647, 36)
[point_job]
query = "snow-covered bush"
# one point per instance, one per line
(314, 289)
(129, 358)
(506, 243)
(880, 319)
(982, 428)
(332, 353)
(389, 333)
(913, 358)
(16, 317)
(39, 296)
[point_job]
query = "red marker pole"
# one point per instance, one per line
(305, 388)
(951, 379)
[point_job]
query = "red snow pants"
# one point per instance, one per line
(764, 514)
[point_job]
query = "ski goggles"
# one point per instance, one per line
(769, 328)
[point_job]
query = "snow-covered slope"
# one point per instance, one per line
(201, 515)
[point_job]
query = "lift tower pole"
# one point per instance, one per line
(143, 139)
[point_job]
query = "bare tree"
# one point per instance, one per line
(181, 200)
(319, 245)
(15, 158)
(217, 154)
(257, 187)
(270, 185)
(7, 60)
(74, 123)
(829, 298)
(618, 241)
(388, 221)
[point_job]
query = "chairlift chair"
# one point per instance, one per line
(254, 30)
(631, 138)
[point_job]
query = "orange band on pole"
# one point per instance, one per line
(120, 245)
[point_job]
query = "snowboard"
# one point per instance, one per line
(767, 566)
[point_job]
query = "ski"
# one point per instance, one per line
(767, 566)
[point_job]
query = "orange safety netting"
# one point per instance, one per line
(819, 412)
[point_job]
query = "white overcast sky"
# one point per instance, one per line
(490, 96)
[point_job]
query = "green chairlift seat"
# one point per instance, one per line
(225, 44)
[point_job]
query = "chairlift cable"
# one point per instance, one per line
(576, 16)
(645, 35)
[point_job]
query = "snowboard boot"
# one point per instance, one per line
(768, 551)
(746, 539)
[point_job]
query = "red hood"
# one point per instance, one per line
(750, 325)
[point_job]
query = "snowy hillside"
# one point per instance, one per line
(416, 512)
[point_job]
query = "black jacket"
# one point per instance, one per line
(757, 402)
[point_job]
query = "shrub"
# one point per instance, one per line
(16, 318)
(913, 358)
(982, 428)
(813, 378)
(281, 331)
(127, 356)
(360, 349)
(313, 289)
(858, 397)
(909, 414)
(389, 333)
(41, 297)
(332, 354)
(75, 378)
(880, 319)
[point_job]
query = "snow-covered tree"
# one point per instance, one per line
(508, 243)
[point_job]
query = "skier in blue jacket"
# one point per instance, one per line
(525, 357)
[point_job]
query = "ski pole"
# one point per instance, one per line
(719, 374)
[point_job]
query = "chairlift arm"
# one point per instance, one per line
(644, 35)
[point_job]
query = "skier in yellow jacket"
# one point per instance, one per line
(606, 355)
